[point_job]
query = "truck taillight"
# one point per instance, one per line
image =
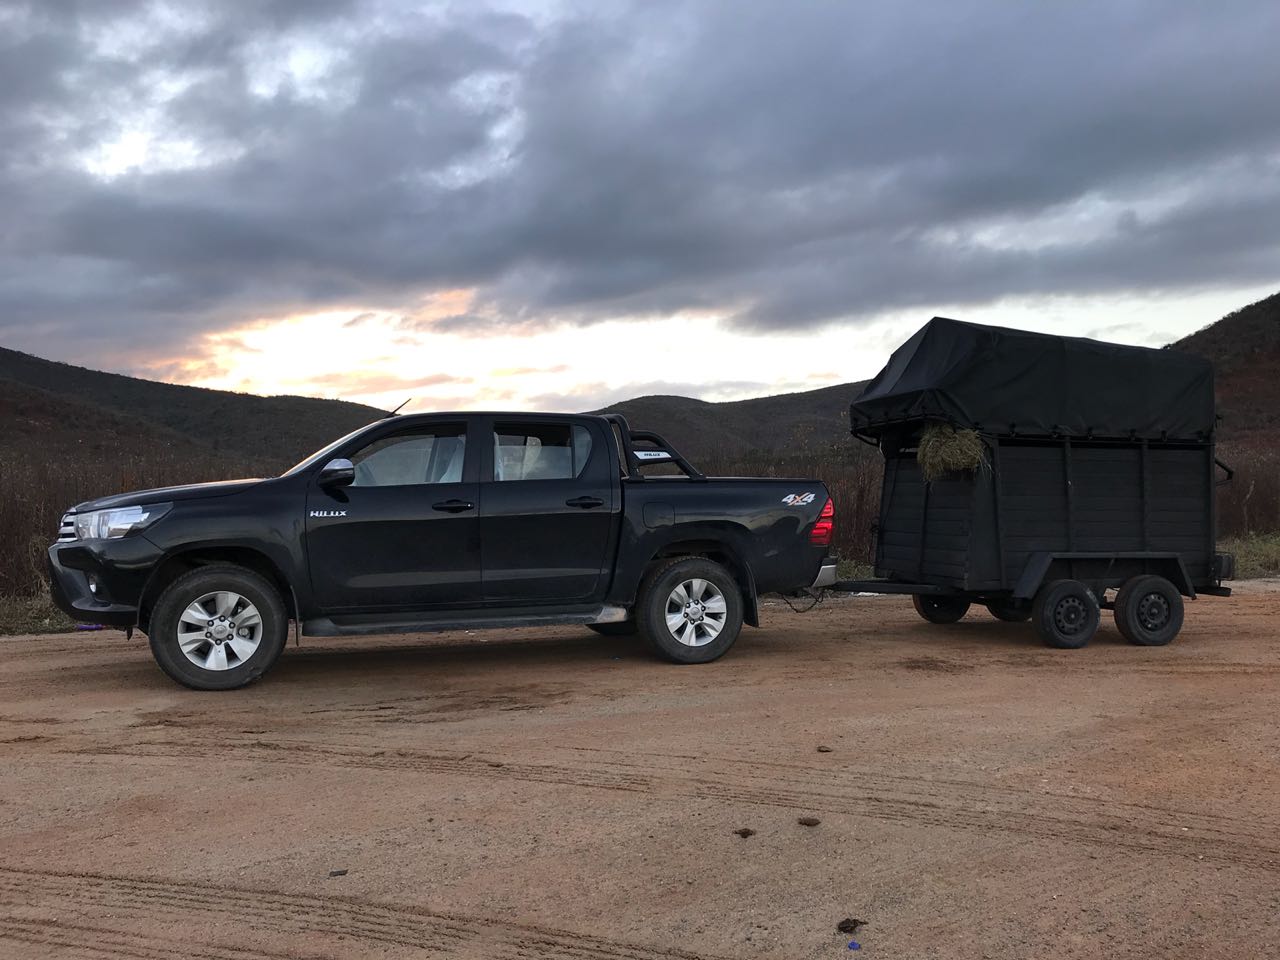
(820, 535)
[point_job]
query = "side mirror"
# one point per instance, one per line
(338, 473)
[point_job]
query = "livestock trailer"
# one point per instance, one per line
(1096, 472)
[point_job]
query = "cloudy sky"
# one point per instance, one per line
(560, 204)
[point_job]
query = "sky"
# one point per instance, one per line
(558, 205)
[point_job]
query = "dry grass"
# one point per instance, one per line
(943, 449)
(35, 614)
(1256, 556)
(36, 492)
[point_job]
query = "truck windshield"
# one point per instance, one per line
(324, 453)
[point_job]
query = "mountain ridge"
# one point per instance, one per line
(63, 409)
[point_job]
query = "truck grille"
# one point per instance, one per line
(67, 529)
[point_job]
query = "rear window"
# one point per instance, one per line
(540, 451)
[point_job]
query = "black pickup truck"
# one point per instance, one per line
(444, 521)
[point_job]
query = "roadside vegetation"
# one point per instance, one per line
(1256, 556)
(36, 492)
(33, 614)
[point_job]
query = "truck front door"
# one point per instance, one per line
(548, 510)
(405, 534)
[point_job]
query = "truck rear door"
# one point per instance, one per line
(549, 502)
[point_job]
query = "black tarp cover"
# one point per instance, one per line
(1002, 381)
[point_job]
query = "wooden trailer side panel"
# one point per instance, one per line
(898, 540)
(979, 531)
(1181, 506)
(925, 529)
(1033, 503)
(1106, 498)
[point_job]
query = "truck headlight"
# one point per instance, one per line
(110, 524)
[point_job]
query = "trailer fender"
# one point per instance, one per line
(1168, 565)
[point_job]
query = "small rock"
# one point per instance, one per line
(337, 873)
(850, 925)
(823, 748)
(808, 821)
(745, 832)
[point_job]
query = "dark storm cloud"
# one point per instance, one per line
(785, 164)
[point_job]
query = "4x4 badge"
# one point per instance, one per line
(799, 499)
(328, 513)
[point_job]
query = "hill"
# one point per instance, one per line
(62, 408)
(788, 423)
(1244, 347)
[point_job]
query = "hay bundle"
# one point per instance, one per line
(944, 449)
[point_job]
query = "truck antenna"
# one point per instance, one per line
(397, 410)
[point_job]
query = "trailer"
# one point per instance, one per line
(1094, 487)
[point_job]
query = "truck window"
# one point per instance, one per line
(540, 451)
(430, 455)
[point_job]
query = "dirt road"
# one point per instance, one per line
(555, 794)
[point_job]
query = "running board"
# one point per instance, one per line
(355, 625)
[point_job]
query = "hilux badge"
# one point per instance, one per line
(328, 513)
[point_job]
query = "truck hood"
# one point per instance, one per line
(190, 491)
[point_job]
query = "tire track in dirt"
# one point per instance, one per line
(893, 798)
(275, 914)
(94, 941)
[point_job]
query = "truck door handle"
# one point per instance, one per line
(453, 506)
(586, 503)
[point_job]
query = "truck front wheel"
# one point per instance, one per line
(690, 610)
(218, 627)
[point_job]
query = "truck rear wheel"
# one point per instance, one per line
(1149, 611)
(690, 610)
(939, 609)
(218, 627)
(1066, 614)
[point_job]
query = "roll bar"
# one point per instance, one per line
(637, 458)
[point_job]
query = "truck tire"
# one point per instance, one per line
(1149, 611)
(1066, 614)
(625, 628)
(218, 627)
(1010, 611)
(937, 608)
(690, 610)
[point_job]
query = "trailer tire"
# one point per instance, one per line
(246, 633)
(1010, 611)
(624, 628)
(1149, 611)
(939, 609)
(1066, 614)
(714, 616)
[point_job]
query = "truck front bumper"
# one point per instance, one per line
(826, 575)
(101, 581)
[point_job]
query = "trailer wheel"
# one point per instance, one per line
(939, 609)
(218, 627)
(1010, 611)
(690, 610)
(625, 628)
(1066, 614)
(1149, 611)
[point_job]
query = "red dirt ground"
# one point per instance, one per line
(553, 794)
